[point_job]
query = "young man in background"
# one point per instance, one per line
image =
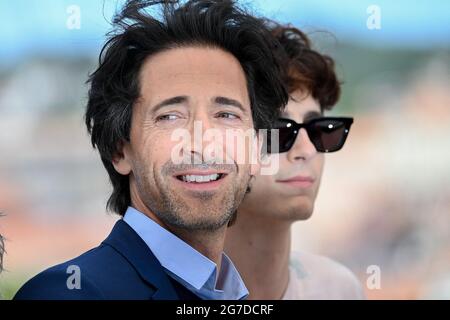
(260, 240)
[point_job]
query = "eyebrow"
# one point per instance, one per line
(169, 101)
(308, 116)
(183, 99)
(312, 115)
(230, 102)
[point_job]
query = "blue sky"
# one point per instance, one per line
(29, 27)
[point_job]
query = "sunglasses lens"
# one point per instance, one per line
(281, 138)
(328, 135)
(286, 139)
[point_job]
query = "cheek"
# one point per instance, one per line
(263, 186)
(158, 147)
(236, 144)
(284, 163)
(151, 157)
(318, 164)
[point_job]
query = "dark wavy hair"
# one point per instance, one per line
(305, 68)
(137, 34)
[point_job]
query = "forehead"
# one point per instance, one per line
(193, 70)
(301, 105)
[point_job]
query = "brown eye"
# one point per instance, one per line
(228, 115)
(167, 117)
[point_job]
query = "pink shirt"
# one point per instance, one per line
(320, 278)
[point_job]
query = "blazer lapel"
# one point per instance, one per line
(128, 243)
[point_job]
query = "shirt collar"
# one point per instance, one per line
(185, 264)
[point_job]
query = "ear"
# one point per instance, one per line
(121, 159)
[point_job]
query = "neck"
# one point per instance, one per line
(260, 249)
(208, 243)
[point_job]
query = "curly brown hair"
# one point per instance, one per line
(305, 68)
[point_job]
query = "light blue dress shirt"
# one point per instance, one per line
(185, 264)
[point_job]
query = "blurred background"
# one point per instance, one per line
(384, 204)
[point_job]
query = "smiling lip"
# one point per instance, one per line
(198, 172)
(298, 181)
(203, 186)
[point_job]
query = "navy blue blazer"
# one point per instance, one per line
(122, 267)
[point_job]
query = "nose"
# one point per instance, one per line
(199, 125)
(303, 148)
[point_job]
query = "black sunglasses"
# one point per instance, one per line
(327, 134)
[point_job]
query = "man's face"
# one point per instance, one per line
(273, 195)
(181, 89)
